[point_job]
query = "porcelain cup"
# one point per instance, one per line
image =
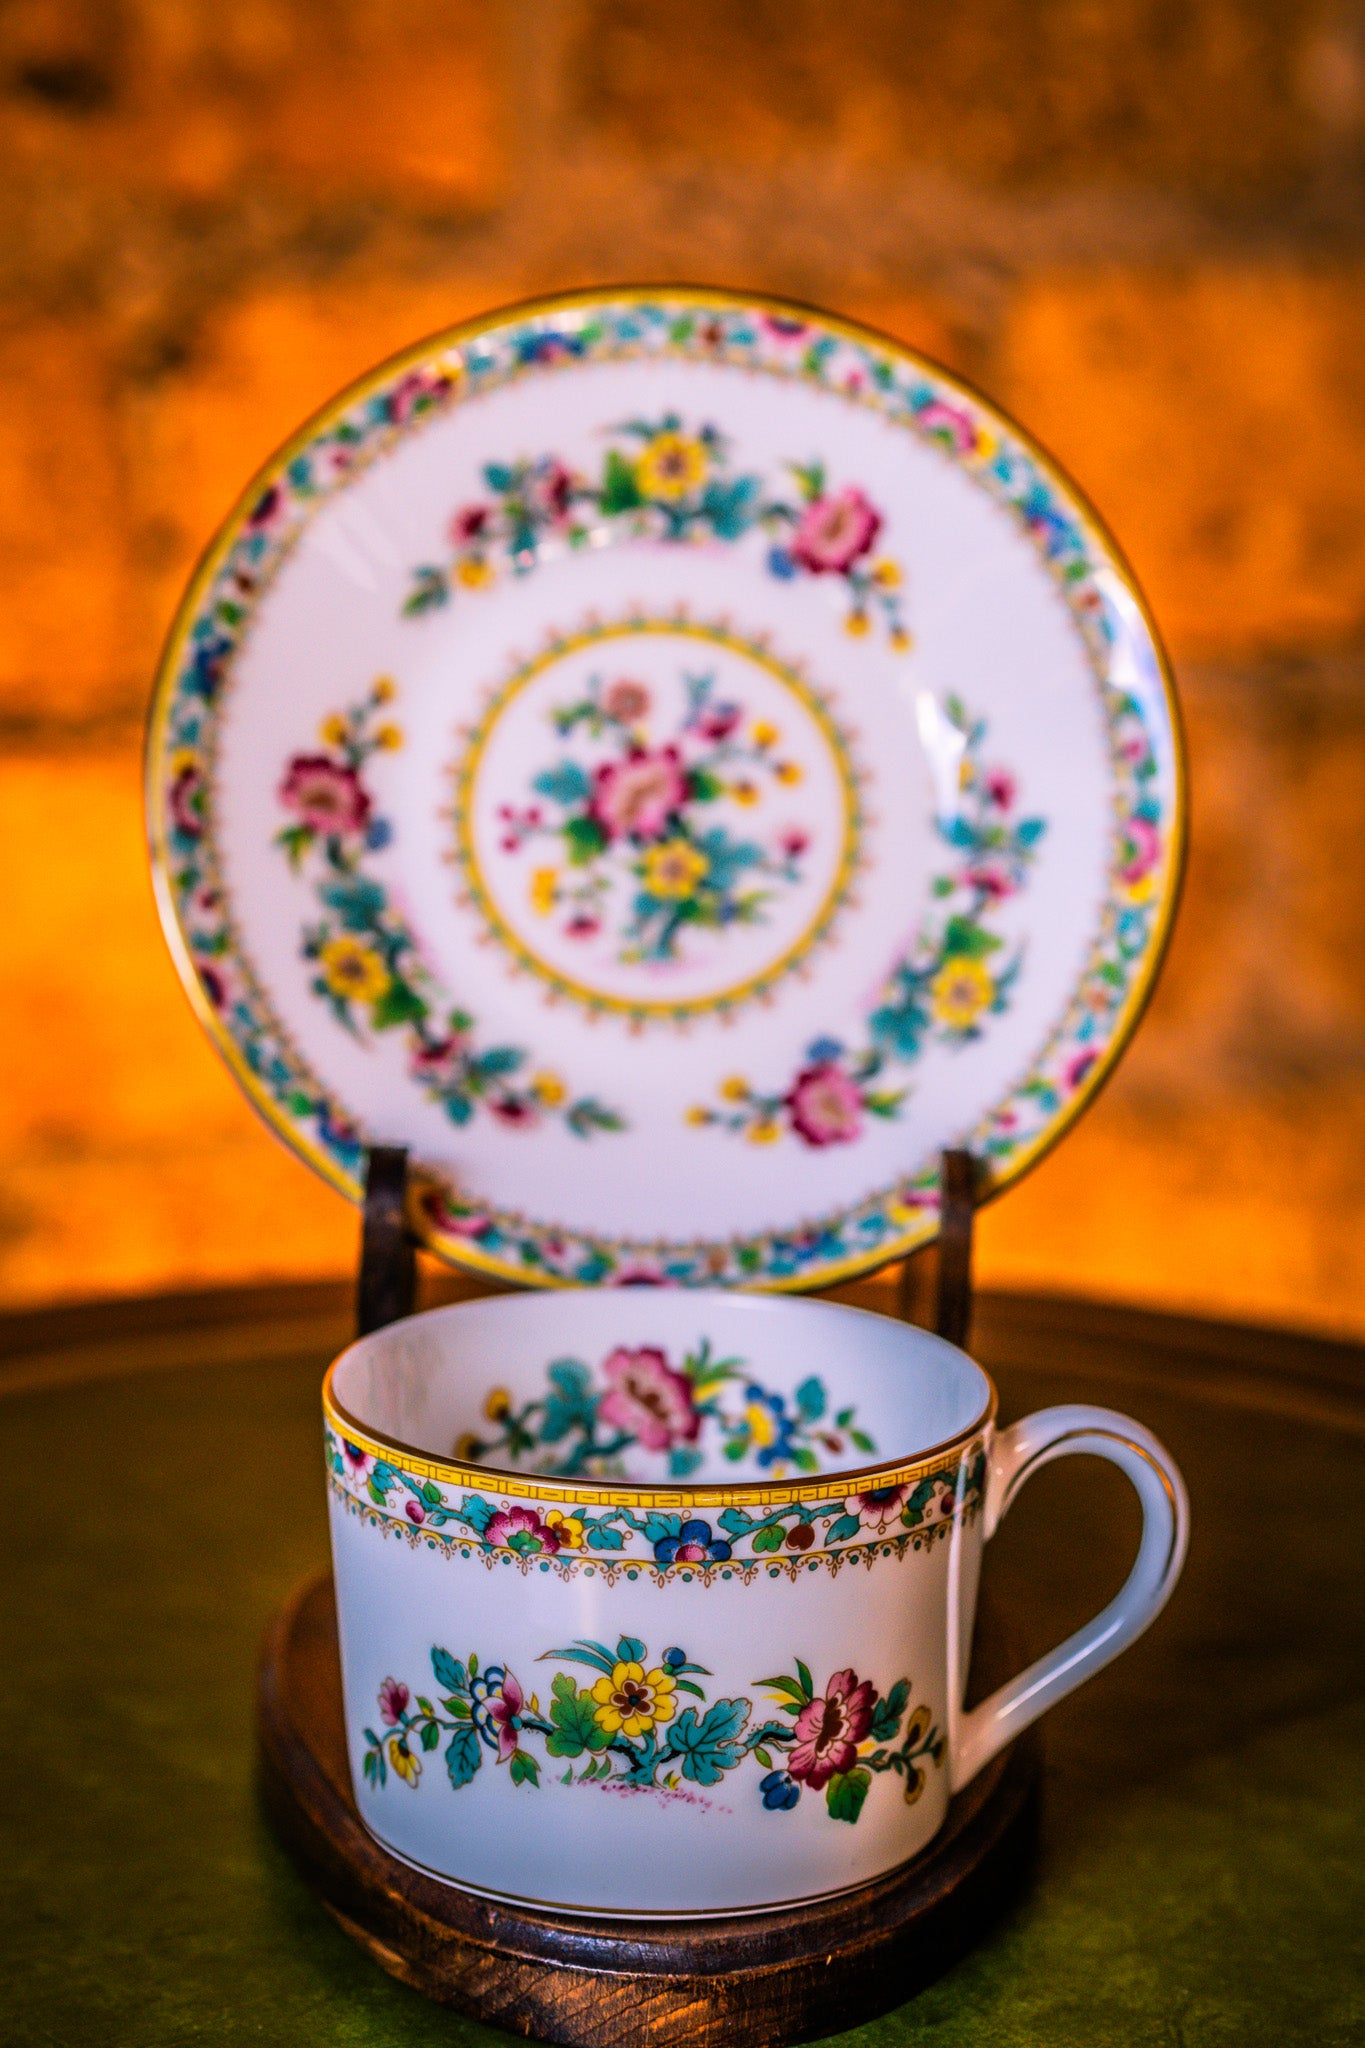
(660, 1601)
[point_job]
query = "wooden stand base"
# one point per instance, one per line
(753, 1982)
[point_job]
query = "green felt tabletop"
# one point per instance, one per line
(1202, 1872)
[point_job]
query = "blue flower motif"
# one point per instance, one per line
(675, 1659)
(780, 1791)
(781, 563)
(378, 834)
(823, 1050)
(770, 1426)
(693, 1544)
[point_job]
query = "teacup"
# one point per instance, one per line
(660, 1602)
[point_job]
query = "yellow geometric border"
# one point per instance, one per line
(492, 1479)
(727, 1001)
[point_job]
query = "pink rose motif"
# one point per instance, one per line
(825, 1106)
(515, 1112)
(635, 798)
(993, 879)
(794, 843)
(415, 1512)
(836, 532)
(552, 491)
(1141, 850)
(325, 795)
(393, 1698)
(186, 802)
(581, 926)
(267, 509)
(439, 1061)
(880, 1508)
(498, 1700)
(217, 986)
(718, 721)
(829, 1730)
(522, 1530)
(470, 524)
(648, 1400)
(1077, 1067)
(627, 702)
(413, 390)
(785, 329)
(358, 1464)
(951, 425)
(1000, 788)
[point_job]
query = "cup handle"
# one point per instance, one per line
(1017, 1453)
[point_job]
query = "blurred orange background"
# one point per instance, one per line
(1139, 227)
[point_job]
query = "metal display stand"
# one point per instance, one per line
(750, 1981)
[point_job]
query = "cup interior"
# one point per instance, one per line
(652, 1387)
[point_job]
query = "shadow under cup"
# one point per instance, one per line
(659, 1601)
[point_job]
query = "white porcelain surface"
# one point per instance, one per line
(739, 1656)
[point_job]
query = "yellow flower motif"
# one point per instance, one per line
(674, 869)
(334, 730)
(697, 1116)
(765, 734)
(543, 890)
(734, 1089)
(407, 1764)
(388, 738)
(985, 444)
(475, 572)
(744, 792)
(1139, 891)
(765, 1132)
(900, 639)
(887, 573)
(762, 1424)
(183, 760)
(788, 772)
(497, 1404)
(549, 1089)
(385, 690)
(353, 970)
(633, 1699)
(671, 466)
(856, 623)
(960, 991)
(569, 1530)
(468, 1448)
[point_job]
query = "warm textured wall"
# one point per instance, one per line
(1139, 225)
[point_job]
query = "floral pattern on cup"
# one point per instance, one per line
(367, 967)
(631, 1727)
(955, 975)
(736, 1539)
(665, 481)
(647, 821)
(583, 1424)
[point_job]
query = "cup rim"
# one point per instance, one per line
(679, 1493)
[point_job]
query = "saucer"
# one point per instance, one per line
(676, 762)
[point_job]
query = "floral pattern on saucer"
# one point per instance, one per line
(662, 480)
(956, 973)
(644, 820)
(200, 671)
(631, 1727)
(676, 818)
(368, 968)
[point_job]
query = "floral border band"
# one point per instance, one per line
(768, 338)
(662, 1535)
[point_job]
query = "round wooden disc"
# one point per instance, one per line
(751, 1982)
